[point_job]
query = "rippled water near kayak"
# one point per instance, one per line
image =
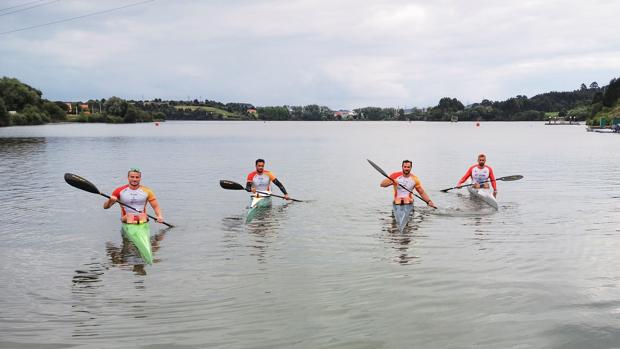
(330, 273)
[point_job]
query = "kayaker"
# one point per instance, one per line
(261, 179)
(409, 181)
(480, 175)
(136, 196)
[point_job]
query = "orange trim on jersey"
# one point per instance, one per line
(254, 173)
(394, 176)
(468, 174)
(270, 174)
(150, 196)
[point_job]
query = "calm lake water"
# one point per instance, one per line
(542, 272)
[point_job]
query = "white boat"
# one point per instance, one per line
(485, 195)
(402, 215)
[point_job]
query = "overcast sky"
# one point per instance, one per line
(342, 54)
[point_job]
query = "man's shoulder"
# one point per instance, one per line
(121, 188)
(396, 174)
(148, 191)
(415, 178)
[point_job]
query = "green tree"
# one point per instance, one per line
(54, 111)
(594, 85)
(326, 113)
(63, 106)
(133, 115)
(273, 113)
(5, 119)
(34, 116)
(18, 95)
(450, 104)
(612, 93)
(115, 106)
(311, 112)
(371, 113)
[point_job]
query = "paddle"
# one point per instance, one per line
(230, 185)
(506, 179)
(386, 176)
(81, 183)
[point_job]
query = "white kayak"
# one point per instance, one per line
(402, 215)
(485, 195)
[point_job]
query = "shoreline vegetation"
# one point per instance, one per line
(21, 104)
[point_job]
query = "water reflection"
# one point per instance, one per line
(21, 144)
(87, 284)
(263, 229)
(125, 256)
(19, 198)
(401, 242)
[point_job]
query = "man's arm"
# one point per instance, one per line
(391, 181)
(465, 177)
(157, 209)
(111, 201)
(113, 198)
(387, 182)
(492, 179)
(281, 186)
(425, 196)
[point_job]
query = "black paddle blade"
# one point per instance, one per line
(230, 185)
(510, 178)
(377, 167)
(80, 183)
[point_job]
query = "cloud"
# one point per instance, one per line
(343, 54)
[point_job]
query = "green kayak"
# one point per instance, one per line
(257, 204)
(140, 236)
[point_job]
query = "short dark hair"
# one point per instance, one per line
(407, 161)
(259, 160)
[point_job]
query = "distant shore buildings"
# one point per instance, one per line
(344, 114)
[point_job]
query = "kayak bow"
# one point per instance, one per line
(257, 203)
(140, 236)
(485, 195)
(402, 215)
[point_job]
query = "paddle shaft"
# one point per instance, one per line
(122, 204)
(278, 196)
(509, 178)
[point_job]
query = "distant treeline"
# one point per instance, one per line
(577, 105)
(21, 104)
